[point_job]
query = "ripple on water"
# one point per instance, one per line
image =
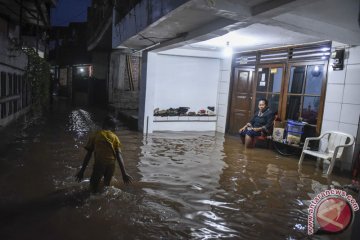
(189, 186)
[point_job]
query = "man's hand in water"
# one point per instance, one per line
(80, 175)
(127, 178)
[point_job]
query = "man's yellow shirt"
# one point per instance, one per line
(104, 143)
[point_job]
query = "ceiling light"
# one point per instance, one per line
(228, 50)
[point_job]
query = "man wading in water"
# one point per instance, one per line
(106, 146)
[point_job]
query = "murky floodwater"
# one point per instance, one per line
(188, 186)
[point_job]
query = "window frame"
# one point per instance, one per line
(268, 93)
(322, 92)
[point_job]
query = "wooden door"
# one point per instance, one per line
(241, 99)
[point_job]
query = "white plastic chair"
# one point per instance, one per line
(335, 144)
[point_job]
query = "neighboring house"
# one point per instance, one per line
(281, 51)
(23, 24)
(71, 62)
(117, 69)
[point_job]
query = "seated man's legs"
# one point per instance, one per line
(248, 137)
(242, 137)
(249, 141)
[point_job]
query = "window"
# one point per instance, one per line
(10, 92)
(3, 85)
(15, 104)
(304, 93)
(10, 108)
(19, 84)
(268, 85)
(14, 84)
(298, 96)
(3, 110)
(23, 93)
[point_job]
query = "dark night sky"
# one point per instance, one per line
(67, 11)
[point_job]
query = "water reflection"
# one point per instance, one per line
(188, 186)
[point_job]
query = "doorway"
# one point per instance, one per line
(241, 98)
(292, 79)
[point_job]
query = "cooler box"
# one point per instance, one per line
(294, 131)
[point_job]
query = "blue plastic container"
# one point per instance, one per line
(295, 127)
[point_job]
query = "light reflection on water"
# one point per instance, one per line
(188, 185)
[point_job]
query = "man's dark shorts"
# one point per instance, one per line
(99, 171)
(250, 133)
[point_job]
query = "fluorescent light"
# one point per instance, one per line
(228, 50)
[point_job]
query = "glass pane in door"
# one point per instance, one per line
(242, 83)
(275, 80)
(310, 109)
(296, 82)
(261, 84)
(293, 107)
(314, 76)
(274, 102)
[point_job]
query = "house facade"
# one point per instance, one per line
(71, 62)
(116, 70)
(303, 56)
(23, 24)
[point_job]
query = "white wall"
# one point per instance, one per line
(186, 78)
(186, 82)
(342, 103)
(196, 126)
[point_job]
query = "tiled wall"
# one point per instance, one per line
(342, 103)
(223, 94)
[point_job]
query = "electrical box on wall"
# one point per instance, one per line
(338, 59)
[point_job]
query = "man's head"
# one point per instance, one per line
(109, 123)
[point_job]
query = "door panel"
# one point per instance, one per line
(241, 99)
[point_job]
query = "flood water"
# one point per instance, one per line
(187, 185)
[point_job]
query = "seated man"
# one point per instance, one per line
(261, 123)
